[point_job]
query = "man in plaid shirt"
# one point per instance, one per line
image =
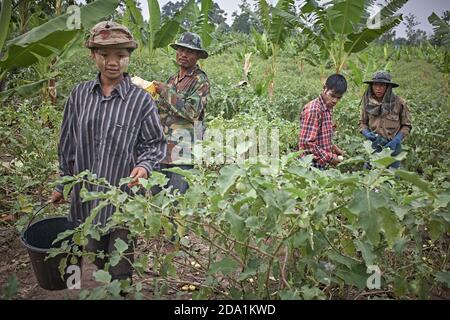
(316, 126)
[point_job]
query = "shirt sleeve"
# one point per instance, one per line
(308, 138)
(151, 148)
(187, 105)
(66, 146)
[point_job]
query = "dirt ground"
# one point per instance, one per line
(14, 259)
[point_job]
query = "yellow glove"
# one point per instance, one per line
(146, 85)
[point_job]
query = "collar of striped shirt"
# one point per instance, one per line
(122, 88)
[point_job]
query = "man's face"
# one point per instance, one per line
(379, 89)
(186, 58)
(111, 62)
(330, 97)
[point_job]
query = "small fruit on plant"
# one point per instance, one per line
(340, 158)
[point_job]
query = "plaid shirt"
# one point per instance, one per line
(316, 132)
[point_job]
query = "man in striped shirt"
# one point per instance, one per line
(111, 128)
(316, 125)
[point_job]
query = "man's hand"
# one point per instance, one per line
(395, 141)
(372, 136)
(336, 160)
(56, 197)
(137, 173)
(338, 150)
(160, 87)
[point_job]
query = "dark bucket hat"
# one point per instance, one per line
(192, 41)
(382, 77)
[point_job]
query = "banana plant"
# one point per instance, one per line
(203, 26)
(442, 56)
(344, 27)
(276, 31)
(51, 40)
(156, 34)
(5, 17)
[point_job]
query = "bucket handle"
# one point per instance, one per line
(35, 214)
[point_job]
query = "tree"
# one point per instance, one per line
(170, 8)
(216, 15)
(243, 21)
(414, 36)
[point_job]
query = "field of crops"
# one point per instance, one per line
(246, 229)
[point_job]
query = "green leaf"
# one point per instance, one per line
(440, 28)
(114, 259)
(344, 16)
(237, 224)
(135, 13)
(226, 266)
(437, 229)
(154, 16)
(310, 293)
(443, 277)
(169, 29)
(11, 288)
(102, 276)
(227, 178)
(55, 34)
(356, 276)
(120, 245)
(391, 8)
(264, 13)
(415, 180)
(361, 40)
(203, 26)
(367, 252)
(5, 17)
(26, 90)
(390, 225)
(365, 205)
(289, 295)
(280, 27)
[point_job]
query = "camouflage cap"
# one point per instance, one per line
(382, 77)
(108, 34)
(192, 41)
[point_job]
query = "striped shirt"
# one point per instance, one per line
(316, 132)
(108, 136)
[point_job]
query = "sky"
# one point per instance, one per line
(421, 8)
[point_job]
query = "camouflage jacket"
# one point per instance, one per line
(182, 108)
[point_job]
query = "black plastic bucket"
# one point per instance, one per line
(38, 238)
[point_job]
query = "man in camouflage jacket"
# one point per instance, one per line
(182, 103)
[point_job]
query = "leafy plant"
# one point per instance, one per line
(343, 27)
(442, 57)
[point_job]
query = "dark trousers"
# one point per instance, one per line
(176, 181)
(123, 270)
